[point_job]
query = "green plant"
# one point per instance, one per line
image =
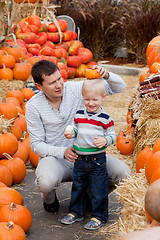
(139, 21)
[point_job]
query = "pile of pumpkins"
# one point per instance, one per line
(14, 152)
(34, 40)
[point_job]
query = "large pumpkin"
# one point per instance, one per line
(80, 71)
(152, 164)
(75, 45)
(153, 51)
(18, 214)
(142, 158)
(74, 61)
(85, 54)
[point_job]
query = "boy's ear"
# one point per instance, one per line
(104, 95)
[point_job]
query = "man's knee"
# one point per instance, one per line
(48, 175)
(117, 170)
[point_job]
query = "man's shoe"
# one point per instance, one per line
(53, 207)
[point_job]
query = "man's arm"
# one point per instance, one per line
(114, 83)
(37, 135)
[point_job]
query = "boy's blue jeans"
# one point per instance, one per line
(90, 171)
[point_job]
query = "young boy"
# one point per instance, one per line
(93, 131)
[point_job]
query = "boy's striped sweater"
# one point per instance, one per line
(87, 127)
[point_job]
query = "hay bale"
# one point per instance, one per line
(6, 86)
(146, 113)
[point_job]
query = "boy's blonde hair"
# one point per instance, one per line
(95, 85)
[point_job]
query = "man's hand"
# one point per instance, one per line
(104, 73)
(70, 155)
(100, 142)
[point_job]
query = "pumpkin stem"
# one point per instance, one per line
(3, 100)
(13, 206)
(7, 156)
(4, 66)
(9, 225)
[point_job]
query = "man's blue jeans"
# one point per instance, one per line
(90, 171)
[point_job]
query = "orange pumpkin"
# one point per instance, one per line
(9, 195)
(27, 93)
(2, 185)
(16, 130)
(11, 231)
(17, 213)
(155, 176)
(6, 73)
(16, 53)
(80, 71)
(16, 166)
(26, 143)
(22, 152)
(6, 176)
(17, 94)
(8, 144)
(8, 109)
(13, 100)
(156, 146)
(152, 164)
(33, 158)
(125, 146)
(21, 72)
(7, 60)
(142, 158)
(92, 73)
(21, 121)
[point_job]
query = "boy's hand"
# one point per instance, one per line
(100, 142)
(68, 135)
(104, 73)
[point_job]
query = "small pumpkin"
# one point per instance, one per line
(8, 144)
(6, 73)
(22, 152)
(125, 146)
(17, 213)
(11, 231)
(156, 146)
(9, 195)
(92, 73)
(17, 94)
(8, 61)
(8, 109)
(27, 93)
(16, 130)
(6, 176)
(16, 53)
(21, 72)
(21, 121)
(16, 166)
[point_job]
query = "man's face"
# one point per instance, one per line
(52, 85)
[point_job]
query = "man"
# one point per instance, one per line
(47, 115)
